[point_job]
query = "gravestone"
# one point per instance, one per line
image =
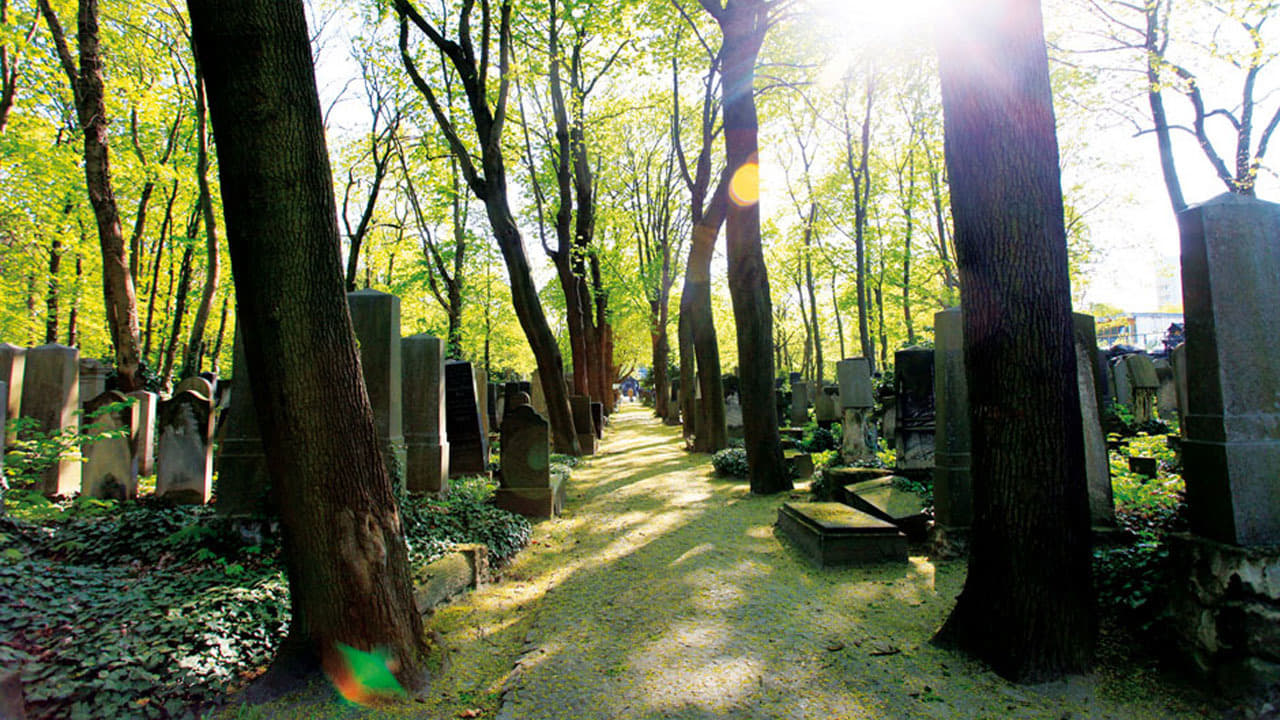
(537, 398)
(110, 469)
(142, 429)
(1230, 287)
(195, 384)
(509, 396)
(1097, 464)
(833, 534)
(12, 362)
(375, 318)
(244, 483)
(799, 403)
(425, 436)
(597, 419)
(916, 416)
(824, 407)
(526, 486)
(468, 443)
(481, 379)
(184, 466)
(856, 402)
(1167, 393)
(583, 424)
(1143, 385)
(93, 378)
(495, 410)
(733, 416)
(1119, 374)
(882, 498)
(952, 479)
(1179, 360)
(51, 396)
(1106, 383)
(781, 405)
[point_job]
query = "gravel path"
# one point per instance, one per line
(663, 592)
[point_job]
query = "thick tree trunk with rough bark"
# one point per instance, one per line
(743, 24)
(1027, 604)
(344, 545)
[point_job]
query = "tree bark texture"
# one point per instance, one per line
(1026, 607)
(344, 546)
(194, 353)
(743, 23)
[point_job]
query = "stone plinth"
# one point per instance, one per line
(184, 468)
(51, 396)
(375, 318)
(468, 442)
(833, 534)
(799, 463)
(1230, 287)
(425, 436)
(952, 480)
(110, 469)
(583, 424)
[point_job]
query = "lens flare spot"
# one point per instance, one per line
(363, 678)
(744, 188)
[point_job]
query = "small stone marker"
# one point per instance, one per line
(526, 486)
(197, 385)
(833, 534)
(13, 361)
(184, 468)
(583, 424)
(468, 443)
(51, 395)
(1146, 466)
(425, 435)
(1119, 375)
(110, 469)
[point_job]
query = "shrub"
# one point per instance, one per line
(817, 439)
(433, 526)
(731, 462)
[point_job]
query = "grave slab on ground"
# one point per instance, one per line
(883, 499)
(832, 534)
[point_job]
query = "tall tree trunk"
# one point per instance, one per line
(1027, 604)
(153, 291)
(743, 24)
(51, 294)
(192, 356)
(1164, 143)
(813, 296)
(217, 343)
(344, 546)
(835, 307)
(696, 316)
(179, 314)
(31, 309)
(73, 319)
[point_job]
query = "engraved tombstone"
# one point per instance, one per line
(51, 396)
(425, 436)
(184, 466)
(527, 486)
(110, 468)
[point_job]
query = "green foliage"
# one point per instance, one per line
(731, 462)
(817, 439)
(433, 525)
(820, 485)
(1119, 420)
(35, 450)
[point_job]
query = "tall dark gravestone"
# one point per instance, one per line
(375, 317)
(425, 435)
(468, 442)
(916, 416)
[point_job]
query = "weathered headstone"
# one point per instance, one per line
(856, 401)
(13, 360)
(915, 420)
(195, 384)
(799, 403)
(1179, 361)
(93, 378)
(597, 419)
(51, 396)
(1143, 385)
(733, 416)
(824, 407)
(1119, 374)
(510, 391)
(142, 428)
(375, 317)
(952, 479)
(244, 483)
(583, 424)
(110, 469)
(468, 443)
(527, 486)
(1097, 464)
(425, 436)
(1167, 393)
(1230, 284)
(184, 467)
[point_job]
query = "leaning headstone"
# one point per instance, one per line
(12, 362)
(1230, 284)
(184, 467)
(583, 424)
(468, 443)
(375, 317)
(1097, 464)
(425, 436)
(597, 419)
(1119, 375)
(1143, 385)
(51, 396)
(952, 479)
(244, 483)
(915, 420)
(110, 469)
(526, 486)
(799, 403)
(93, 378)
(142, 428)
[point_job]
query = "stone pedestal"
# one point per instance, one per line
(425, 436)
(51, 396)
(915, 421)
(13, 360)
(1230, 287)
(1097, 464)
(184, 468)
(952, 481)
(110, 469)
(375, 317)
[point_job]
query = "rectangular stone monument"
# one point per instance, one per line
(142, 428)
(824, 407)
(1230, 290)
(799, 403)
(51, 396)
(1119, 375)
(13, 360)
(952, 479)
(583, 424)
(184, 466)
(1097, 464)
(916, 417)
(526, 486)
(597, 419)
(375, 317)
(244, 483)
(425, 434)
(93, 378)
(110, 468)
(468, 443)
(1143, 385)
